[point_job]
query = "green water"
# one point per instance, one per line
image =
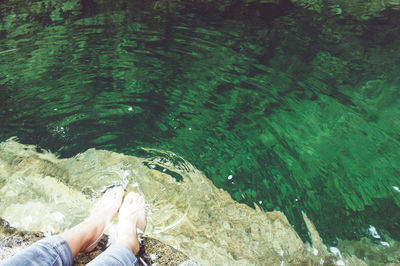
(296, 113)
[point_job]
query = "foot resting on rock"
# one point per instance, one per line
(132, 216)
(85, 236)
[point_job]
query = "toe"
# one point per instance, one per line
(140, 201)
(128, 201)
(132, 198)
(118, 193)
(114, 196)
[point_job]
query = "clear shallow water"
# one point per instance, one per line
(289, 114)
(41, 192)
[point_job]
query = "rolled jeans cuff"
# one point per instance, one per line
(51, 250)
(116, 254)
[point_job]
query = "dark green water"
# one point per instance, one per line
(296, 113)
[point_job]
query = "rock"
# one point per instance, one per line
(191, 215)
(357, 9)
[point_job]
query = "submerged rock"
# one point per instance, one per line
(191, 215)
(358, 9)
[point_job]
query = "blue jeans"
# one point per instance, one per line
(55, 251)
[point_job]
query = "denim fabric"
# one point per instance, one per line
(52, 250)
(115, 255)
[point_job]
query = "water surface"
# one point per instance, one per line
(299, 113)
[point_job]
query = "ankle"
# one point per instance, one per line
(131, 243)
(90, 234)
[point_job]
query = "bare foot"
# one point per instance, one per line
(132, 216)
(84, 236)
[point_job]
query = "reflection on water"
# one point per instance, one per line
(297, 114)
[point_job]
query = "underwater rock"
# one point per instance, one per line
(386, 253)
(358, 9)
(53, 11)
(192, 216)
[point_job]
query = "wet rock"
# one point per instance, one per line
(192, 216)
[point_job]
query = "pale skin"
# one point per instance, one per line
(84, 236)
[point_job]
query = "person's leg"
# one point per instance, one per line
(131, 217)
(84, 236)
(61, 249)
(51, 250)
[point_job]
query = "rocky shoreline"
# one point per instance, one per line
(192, 216)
